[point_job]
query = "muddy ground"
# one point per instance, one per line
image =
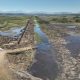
(52, 61)
(69, 64)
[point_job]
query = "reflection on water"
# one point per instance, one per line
(40, 33)
(45, 65)
(73, 43)
(13, 32)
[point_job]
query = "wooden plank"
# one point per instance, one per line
(18, 50)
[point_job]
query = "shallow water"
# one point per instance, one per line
(12, 32)
(45, 65)
(73, 42)
(42, 35)
(71, 26)
(73, 45)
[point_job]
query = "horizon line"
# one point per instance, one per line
(22, 11)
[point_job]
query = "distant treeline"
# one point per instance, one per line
(58, 19)
(65, 19)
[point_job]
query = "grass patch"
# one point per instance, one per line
(38, 38)
(7, 22)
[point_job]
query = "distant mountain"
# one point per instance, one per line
(12, 14)
(39, 14)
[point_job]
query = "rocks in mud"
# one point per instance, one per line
(4, 40)
(18, 65)
(21, 60)
(69, 66)
(24, 75)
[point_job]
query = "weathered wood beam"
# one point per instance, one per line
(23, 32)
(25, 28)
(18, 50)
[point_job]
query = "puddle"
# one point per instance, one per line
(73, 41)
(13, 32)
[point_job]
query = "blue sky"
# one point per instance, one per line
(40, 5)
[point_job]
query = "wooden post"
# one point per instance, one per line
(23, 32)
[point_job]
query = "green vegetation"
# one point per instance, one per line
(37, 38)
(12, 21)
(41, 21)
(65, 19)
(58, 19)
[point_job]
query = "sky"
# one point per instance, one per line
(49, 6)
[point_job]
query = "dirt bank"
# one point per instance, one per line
(14, 66)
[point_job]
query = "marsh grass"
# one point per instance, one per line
(38, 38)
(7, 22)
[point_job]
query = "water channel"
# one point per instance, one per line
(45, 65)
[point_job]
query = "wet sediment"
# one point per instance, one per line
(69, 65)
(17, 64)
